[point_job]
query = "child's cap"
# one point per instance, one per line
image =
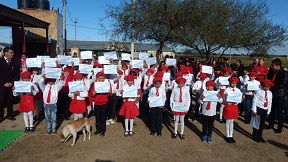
(66, 69)
(178, 74)
(96, 64)
(180, 80)
(185, 71)
(129, 78)
(226, 70)
(164, 68)
(157, 79)
(134, 70)
(252, 74)
(159, 74)
(25, 75)
(267, 83)
(77, 76)
(210, 83)
(150, 71)
(233, 80)
(124, 64)
(202, 76)
(101, 73)
(120, 72)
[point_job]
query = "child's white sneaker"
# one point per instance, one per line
(107, 122)
(111, 121)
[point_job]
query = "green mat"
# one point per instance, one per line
(8, 136)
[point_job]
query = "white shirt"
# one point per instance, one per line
(162, 94)
(245, 88)
(150, 81)
(82, 94)
(199, 85)
(230, 91)
(175, 96)
(259, 100)
(218, 84)
(114, 86)
(54, 91)
(213, 106)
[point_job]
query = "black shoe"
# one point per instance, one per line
(126, 133)
(228, 139)
(97, 132)
(232, 140)
(152, 133)
(32, 129)
(221, 121)
(102, 134)
(261, 139)
(26, 129)
(182, 136)
(11, 118)
(174, 135)
(256, 139)
(278, 131)
(159, 134)
(131, 133)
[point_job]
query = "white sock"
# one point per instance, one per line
(182, 124)
(30, 115)
(77, 116)
(25, 117)
(176, 123)
(221, 111)
(231, 127)
(88, 110)
(131, 124)
(227, 127)
(126, 124)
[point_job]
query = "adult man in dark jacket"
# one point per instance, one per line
(9, 72)
(280, 79)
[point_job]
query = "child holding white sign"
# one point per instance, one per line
(230, 111)
(129, 108)
(208, 113)
(180, 96)
(249, 94)
(78, 103)
(156, 94)
(261, 106)
(27, 105)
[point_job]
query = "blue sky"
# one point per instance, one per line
(88, 13)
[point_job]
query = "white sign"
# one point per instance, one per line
(255, 121)
(253, 86)
(170, 62)
(130, 92)
(210, 96)
(207, 69)
(85, 69)
(96, 70)
(223, 80)
(166, 76)
(110, 55)
(76, 61)
(22, 86)
(33, 62)
(86, 55)
(64, 60)
(101, 60)
(53, 73)
(126, 56)
(50, 62)
(188, 79)
(110, 69)
(151, 61)
(102, 87)
(156, 102)
(234, 97)
(179, 107)
(137, 64)
(42, 58)
(76, 86)
(143, 56)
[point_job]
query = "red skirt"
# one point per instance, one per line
(129, 110)
(26, 103)
(78, 106)
(230, 111)
(179, 113)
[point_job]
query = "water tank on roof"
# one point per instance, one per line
(42, 4)
(22, 4)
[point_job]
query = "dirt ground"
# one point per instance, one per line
(143, 147)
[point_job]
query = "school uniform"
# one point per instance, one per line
(261, 105)
(129, 108)
(118, 100)
(156, 112)
(220, 89)
(200, 86)
(248, 99)
(38, 98)
(231, 109)
(147, 84)
(182, 95)
(27, 100)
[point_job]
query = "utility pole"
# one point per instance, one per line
(65, 31)
(133, 21)
(75, 22)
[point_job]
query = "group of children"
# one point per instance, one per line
(154, 92)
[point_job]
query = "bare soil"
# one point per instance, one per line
(142, 146)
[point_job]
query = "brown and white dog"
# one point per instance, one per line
(72, 128)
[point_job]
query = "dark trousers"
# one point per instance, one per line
(195, 115)
(278, 104)
(100, 113)
(155, 119)
(208, 124)
(117, 103)
(110, 107)
(143, 106)
(6, 98)
(248, 105)
(263, 114)
(63, 105)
